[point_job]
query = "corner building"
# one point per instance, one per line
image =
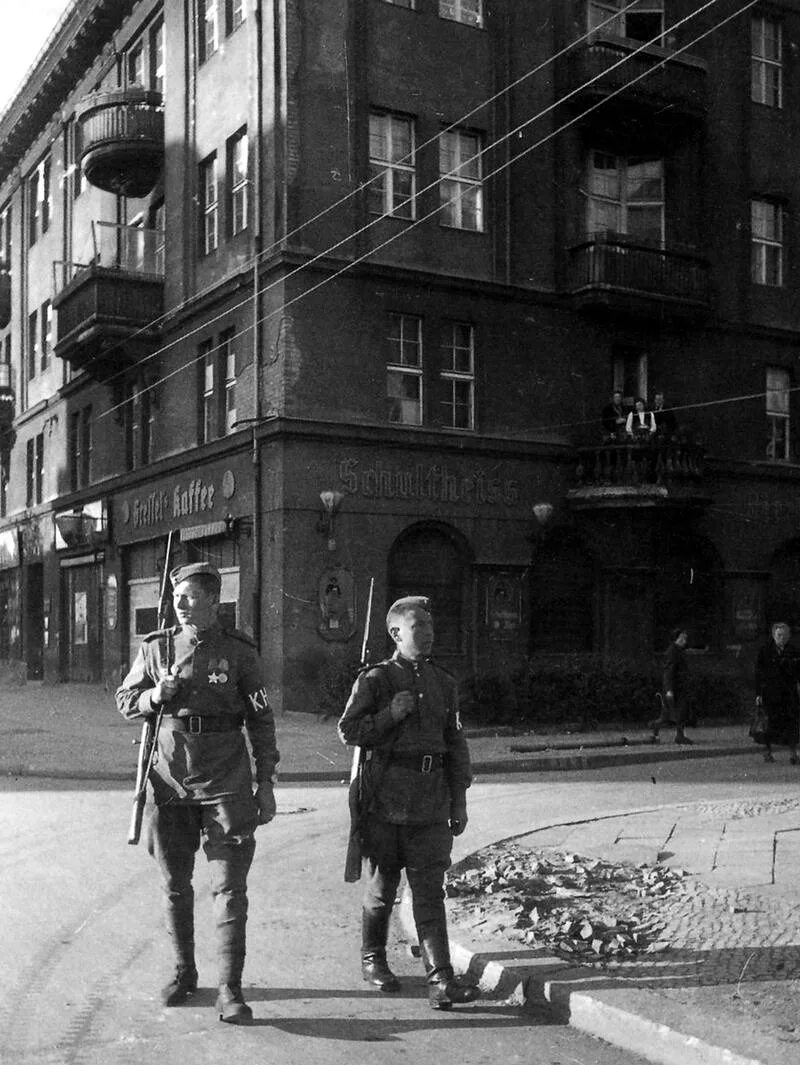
(327, 292)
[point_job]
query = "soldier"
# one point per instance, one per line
(210, 684)
(403, 712)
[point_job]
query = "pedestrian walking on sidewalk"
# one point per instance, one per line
(403, 711)
(674, 688)
(777, 674)
(211, 684)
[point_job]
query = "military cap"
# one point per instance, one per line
(194, 569)
(409, 602)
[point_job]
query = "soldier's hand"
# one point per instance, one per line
(402, 705)
(265, 797)
(458, 820)
(758, 700)
(165, 690)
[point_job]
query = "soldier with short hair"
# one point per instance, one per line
(404, 712)
(211, 685)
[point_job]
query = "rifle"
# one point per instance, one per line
(148, 741)
(352, 863)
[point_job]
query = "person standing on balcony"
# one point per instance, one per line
(640, 424)
(666, 422)
(777, 674)
(613, 419)
(674, 688)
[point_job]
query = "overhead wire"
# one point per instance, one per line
(372, 251)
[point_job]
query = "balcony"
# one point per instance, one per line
(109, 309)
(639, 474)
(5, 296)
(122, 140)
(659, 86)
(612, 273)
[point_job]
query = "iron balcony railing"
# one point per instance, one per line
(632, 465)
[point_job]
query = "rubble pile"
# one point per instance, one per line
(589, 910)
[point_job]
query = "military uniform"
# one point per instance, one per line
(416, 774)
(202, 778)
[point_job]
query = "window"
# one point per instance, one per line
(392, 184)
(461, 182)
(234, 15)
(158, 62)
(629, 373)
(134, 65)
(39, 200)
(209, 203)
(625, 196)
(459, 376)
(5, 239)
(33, 343)
(237, 182)
(467, 11)
(404, 371)
(47, 193)
(46, 333)
(34, 206)
(766, 227)
(138, 426)
(34, 471)
(766, 65)
(209, 28)
(778, 393)
(643, 21)
(74, 172)
(217, 364)
(80, 448)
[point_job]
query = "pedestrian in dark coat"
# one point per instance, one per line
(777, 674)
(674, 688)
(211, 684)
(404, 712)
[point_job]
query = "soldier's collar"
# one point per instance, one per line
(401, 658)
(201, 634)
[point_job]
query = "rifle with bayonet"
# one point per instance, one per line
(148, 741)
(355, 794)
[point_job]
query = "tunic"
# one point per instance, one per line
(221, 676)
(776, 682)
(400, 793)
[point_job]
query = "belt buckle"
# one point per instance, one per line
(195, 724)
(427, 763)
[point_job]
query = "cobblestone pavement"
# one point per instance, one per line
(728, 973)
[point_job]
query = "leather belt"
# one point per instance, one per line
(198, 724)
(422, 763)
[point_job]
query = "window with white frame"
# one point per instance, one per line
(766, 228)
(134, 66)
(237, 182)
(209, 204)
(227, 363)
(392, 166)
(158, 57)
(778, 393)
(469, 12)
(458, 376)
(208, 28)
(766, 64)
(404, 369)
(217, 386)
(139, 420)
(34, 489)
(46, 333)
(234, 15)
(33, 344)
(80, 448)
(625, 196)
(5, 238)
(461, 180)
(642, 21)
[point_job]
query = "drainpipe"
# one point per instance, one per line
(257, 248)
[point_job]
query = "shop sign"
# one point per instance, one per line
(9, 548)
(436, 482)
(195, 497)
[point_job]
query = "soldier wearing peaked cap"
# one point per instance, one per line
(404, 712)
(211, 685)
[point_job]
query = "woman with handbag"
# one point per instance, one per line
(777, 674)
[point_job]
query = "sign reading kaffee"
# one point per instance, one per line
(142, 513)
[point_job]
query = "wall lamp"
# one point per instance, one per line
(331, 502)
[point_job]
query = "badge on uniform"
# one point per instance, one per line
(218, 673)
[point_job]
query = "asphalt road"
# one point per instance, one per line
(84, 953)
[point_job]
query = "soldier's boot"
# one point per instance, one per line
(180, 927)
(444, 991)
(374, 967)
(230, 910)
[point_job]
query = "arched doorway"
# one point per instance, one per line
(562, 596)
(433, 559)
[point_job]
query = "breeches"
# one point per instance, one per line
(423, 851)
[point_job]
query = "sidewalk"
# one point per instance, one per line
(720, 985)
(74, 732)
